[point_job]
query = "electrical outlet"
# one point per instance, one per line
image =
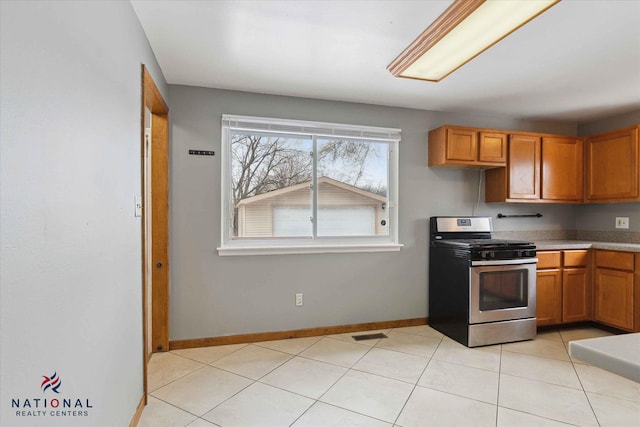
(299, 300)
(622, 222)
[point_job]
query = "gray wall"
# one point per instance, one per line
(70, 254)
(609, 123)
(601, 217)
(214, 296)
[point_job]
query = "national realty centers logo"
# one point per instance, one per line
(52, 382)
(51, 406)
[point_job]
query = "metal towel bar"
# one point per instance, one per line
(536, 215)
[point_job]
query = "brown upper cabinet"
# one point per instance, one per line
(540, 168)
(522, 180)
(562, 168)
(457, 146)
(533, 167)
(613, 163)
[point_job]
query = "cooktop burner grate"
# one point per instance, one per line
(484, 243)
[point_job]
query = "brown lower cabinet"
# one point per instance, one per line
(567, 293)
(549, 297)
(563, 289)
(576, 295)
(617, 289)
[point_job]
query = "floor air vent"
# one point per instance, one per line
(369, 337)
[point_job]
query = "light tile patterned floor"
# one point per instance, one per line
(416, 377)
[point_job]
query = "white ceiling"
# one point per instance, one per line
(578, 61)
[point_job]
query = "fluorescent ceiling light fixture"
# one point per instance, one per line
(466, 29)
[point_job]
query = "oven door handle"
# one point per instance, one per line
(505, 262)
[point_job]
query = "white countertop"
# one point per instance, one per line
(619, 354)
(544, 245)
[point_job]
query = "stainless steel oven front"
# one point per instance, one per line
(502, 290)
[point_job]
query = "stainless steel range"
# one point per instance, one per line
(482, 291)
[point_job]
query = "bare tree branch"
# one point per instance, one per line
(262, 163)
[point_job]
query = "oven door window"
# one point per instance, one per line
(501, 290)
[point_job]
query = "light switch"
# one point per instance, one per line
(138, 202)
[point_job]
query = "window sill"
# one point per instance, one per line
(257, 249)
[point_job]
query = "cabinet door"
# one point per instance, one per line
(562, 169)
(524, 167)
(462, 144)
(612, 166)
(576, 298)
(549, 297)
(614, 298)
(493, 148)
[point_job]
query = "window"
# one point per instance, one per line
(292, 187)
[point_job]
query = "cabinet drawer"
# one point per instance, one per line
(548, 259)
(577, 258)
(615, 260)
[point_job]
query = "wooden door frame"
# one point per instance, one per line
(159, 251)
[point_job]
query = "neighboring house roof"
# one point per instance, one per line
(321, 180)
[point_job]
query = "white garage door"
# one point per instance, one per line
(348, 221)
(291, 222)
(342, 221)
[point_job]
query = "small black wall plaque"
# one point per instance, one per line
(202, 153)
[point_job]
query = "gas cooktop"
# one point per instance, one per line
(484, 243)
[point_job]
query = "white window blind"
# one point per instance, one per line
(298, 127)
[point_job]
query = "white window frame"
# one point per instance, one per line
(230, 246)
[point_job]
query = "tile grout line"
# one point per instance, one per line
(570, 361)
(583, 389)
(499, 381)
(351, 368)
(291, 356)
(253, 381)
(345, 373)
(332, 385)
(150, 393)
(626, 399)
(204, 365)
(395, 422)
(465, 365)
(347, 370)
(244, 376)
(537, 355)
(500, 374)
(174, 352)
(558, 385)
(182, 409)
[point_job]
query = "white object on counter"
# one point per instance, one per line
(619, 354)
